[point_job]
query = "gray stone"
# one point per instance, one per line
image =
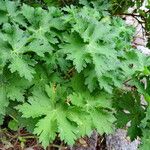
(120, 141)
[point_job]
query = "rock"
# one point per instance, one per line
(120, 141)
(143, 49)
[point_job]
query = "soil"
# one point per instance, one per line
(22, 140)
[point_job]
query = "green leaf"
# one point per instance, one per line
(5, 53)
(102, 121)
(13, 125)
(46, 128)
(3, 16)
(76, 52)
(145, 142)
(123, 103)
(100, 117)
(11, 7)
(16, 88)
(28, 12)
(22, 67)
(3, 98)
(40, 47)
(41, 104)
(66, 128)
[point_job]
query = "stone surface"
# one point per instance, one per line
(120, 141)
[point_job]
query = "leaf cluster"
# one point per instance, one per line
(60, 67)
